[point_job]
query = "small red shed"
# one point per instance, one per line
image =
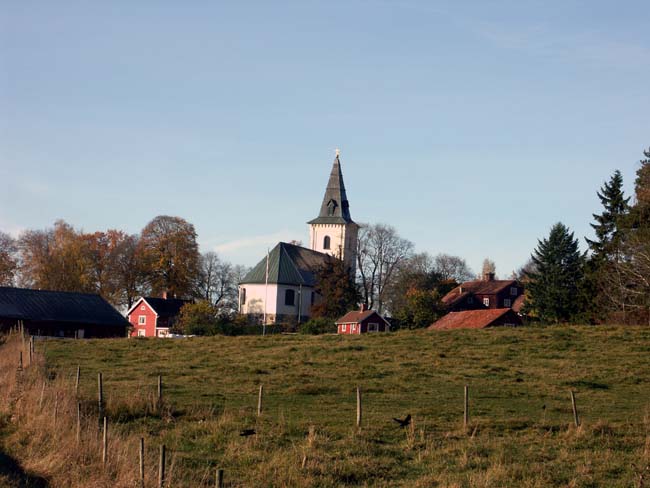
(361, 322)
(153, 317)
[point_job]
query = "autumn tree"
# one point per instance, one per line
(199, 318)
(338, 292)
(8, 259)
(170, 255)
(380, 252)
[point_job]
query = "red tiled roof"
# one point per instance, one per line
(357, 316)
(478, 287)
(470, 319)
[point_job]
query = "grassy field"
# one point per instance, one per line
(520, 432)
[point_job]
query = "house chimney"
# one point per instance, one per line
(488, 277)
(164, 295)
(363, 308)
(460, 290)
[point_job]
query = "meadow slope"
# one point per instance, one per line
(520, 432)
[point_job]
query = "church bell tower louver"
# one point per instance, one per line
(334, 232)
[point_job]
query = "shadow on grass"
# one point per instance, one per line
(18, 478)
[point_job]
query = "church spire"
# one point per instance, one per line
(335, 208)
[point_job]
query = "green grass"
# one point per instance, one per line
(519, 380)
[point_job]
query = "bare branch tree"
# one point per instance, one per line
(380, 251)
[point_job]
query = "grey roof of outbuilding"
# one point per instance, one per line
(58, 306)
(288, 265)
(335, 191)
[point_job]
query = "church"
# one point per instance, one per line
(280, 288)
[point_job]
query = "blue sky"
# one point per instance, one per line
(471, 127)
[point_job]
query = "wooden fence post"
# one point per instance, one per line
(40, 401)
(359, 409)
(76, 381)
(78, 422)
(259, 400)
(100, 394)
(31, 349)
(161, 467)
(141, 462)
(466, 407)
(160, 391)
(105, 442)
(576, 420)
(20, 361)
(56, 407)
(219, 483)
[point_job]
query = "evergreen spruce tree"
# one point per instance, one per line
(339, 294)
(555, 284)
(607, 226)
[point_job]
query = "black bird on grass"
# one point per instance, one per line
(247, 432)
(405, 422)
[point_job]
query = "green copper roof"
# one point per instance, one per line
(335, 208)
(288, 265)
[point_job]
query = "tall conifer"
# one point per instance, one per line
(557, 279)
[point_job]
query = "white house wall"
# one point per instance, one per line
(256, 294)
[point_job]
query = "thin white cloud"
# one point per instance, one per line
(252, 241)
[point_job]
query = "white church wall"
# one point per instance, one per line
(305, 303)
(256, 295)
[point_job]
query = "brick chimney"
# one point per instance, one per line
(363, 308)
(164, 295)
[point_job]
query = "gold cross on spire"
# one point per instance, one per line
(338, 151)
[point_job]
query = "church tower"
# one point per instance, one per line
(334, 232)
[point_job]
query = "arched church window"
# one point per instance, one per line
(326, 242)
(289, 297)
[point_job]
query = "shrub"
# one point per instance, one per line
(320, 325)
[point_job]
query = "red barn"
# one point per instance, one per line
(361, 322)
(153, 317)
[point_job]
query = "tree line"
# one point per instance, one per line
(610, 281)
(163, 258)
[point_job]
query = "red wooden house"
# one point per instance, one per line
(154, 317)
(362, 321)
(482, 294)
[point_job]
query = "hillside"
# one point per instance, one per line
(520, 431)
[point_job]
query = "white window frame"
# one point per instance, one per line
(142, 307)
(513, 291)
(142, 333)
(142, 320)
(344, 327)
(507, 302)
(162, 332)
(371, 325)
(486, 301)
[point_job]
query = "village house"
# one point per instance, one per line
(362, 321)
(486, 293)
(154, 317)
(281, 287)
(60, 314)
(477, 319)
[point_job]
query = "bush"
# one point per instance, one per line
(319, 325)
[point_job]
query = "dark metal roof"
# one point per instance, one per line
(58, 306)
(288, 265)
(335, 208)
(166, 307)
